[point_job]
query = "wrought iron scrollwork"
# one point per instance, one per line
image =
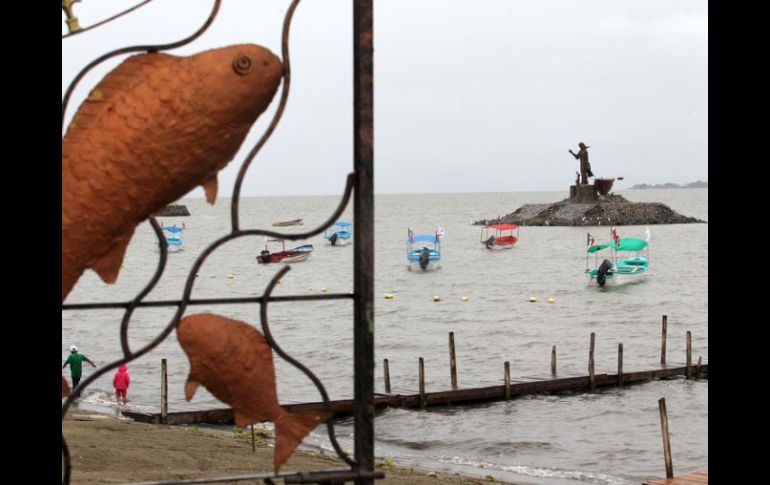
(360, 469)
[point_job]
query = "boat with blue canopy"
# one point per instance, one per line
(339, 234)
(423, 251)
(174, 237)
(623, 260)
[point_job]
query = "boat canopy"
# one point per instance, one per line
(626, 244)
(503, 227)
(602, 246)
(173, 229)
(423, 237)
(631, 244)
(343, 224)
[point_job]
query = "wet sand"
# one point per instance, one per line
(105, 449)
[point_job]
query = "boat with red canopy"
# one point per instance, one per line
(499, 236)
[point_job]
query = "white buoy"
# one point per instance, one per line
(436, 298)
(532, 299)
(324, 290)
(389, 296)
(551, 300)
(230, 276)
(464, 298)
(309, 288)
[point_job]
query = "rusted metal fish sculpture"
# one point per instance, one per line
(153, 129)
(235, 363)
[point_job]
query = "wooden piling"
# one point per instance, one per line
(452, 360)
(666, 441)
(422, 383)
(591, 377)
(553, 361)
(663, 340)
(620, 364)
(253, 440)
(697, 368)
(163, 392)
(386, 371)
(689, 354)
(507, 366)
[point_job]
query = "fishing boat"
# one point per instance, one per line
(423, 251)
(339, 234)
(499, 236)
(292, 222)
(623, 260)
(174, 237)
(295, 255)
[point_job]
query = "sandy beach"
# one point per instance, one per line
(105, 449)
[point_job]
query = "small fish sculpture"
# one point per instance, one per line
(154, 128)
(65, 388)
(235, 363)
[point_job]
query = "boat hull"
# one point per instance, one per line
(616, 278)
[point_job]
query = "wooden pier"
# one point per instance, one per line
(697, 478)
(553, 382)
(522, 386)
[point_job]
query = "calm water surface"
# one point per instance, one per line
(607, 437)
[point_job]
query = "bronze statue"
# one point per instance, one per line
(585, 167)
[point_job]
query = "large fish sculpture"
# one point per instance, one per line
(235, 363)
(153, 129)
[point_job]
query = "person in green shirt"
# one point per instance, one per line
(75, 360)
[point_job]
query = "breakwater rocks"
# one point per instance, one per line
(612, 210)
(174, 210)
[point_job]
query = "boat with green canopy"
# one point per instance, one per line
(623, 260)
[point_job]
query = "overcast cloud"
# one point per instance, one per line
(470, 95)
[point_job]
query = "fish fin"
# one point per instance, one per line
(290, 430)
(210, 187)
(108, 265)
(190, 387)
(65, 388)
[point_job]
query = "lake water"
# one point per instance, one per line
(607, 437)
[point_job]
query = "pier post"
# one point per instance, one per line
(666, 440)
(253, 440)
(689, 354)
(507, 367)
(698, 368)
(663, 340)
(422, 383)
(452, 360)
(163, 392)
(620, 364)
(591, 378)
(386, 371)
(553, 361)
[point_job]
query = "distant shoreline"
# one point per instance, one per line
(692, 185)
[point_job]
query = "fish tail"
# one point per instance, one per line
(290, 430)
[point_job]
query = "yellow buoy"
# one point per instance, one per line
(551, 300)
(309, 288)
(532, 299)
(389, 296)
(230, 276)
(464, 298)
(324, 290)
(436, 298)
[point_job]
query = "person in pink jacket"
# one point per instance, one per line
(121, 382)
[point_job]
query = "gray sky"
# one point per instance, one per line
(470, 95)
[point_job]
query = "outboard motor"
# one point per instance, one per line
(333, 239)
(601, 275)
(424, 258)
(265, 256)
(490, 242)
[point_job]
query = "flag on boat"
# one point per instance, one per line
(589, 239)
(410, 235)
(440, 232)
(647, 234)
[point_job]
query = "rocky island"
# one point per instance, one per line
(174, 210)
(592, 205)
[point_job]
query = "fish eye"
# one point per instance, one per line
(242, 64)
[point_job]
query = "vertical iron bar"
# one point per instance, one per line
(363, 220)
(620, 364)
(663, 340)
(553, 361)
(689, 354)
(507, 377)
(591, 379)
(421, 379)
